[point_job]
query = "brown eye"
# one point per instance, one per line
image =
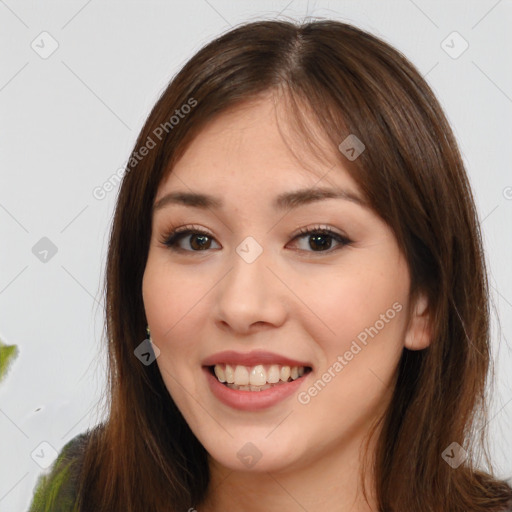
(320, 240)
(200, 242)
(191, 240)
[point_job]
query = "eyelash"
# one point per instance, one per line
(174, 236)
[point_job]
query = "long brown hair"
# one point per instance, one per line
(144, 456)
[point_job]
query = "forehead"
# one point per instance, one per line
(256, 146)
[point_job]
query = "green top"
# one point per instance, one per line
(56, 491)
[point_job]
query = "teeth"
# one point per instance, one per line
(241, 375)
(219, 373)
(256, 378)
(229, 373)
(273, 374)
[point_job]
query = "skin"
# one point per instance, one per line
(292, 300)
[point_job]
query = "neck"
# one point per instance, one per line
(331, 481)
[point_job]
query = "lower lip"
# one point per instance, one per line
(252, 400)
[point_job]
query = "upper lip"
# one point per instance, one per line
(251, 359)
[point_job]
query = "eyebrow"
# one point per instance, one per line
(284, 201)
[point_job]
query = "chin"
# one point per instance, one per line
(252, 456)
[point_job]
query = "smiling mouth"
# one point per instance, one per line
(257, 378)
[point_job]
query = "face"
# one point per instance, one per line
(296, 300)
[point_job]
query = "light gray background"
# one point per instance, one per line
(69, 121)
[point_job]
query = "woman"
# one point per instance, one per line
(296, 232)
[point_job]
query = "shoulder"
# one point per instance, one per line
(55, 491)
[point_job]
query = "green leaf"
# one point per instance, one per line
(8, 353)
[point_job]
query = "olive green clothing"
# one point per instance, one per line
(56, 491)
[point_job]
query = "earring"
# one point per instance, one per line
(149, 334)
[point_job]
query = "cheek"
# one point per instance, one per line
(361, 340)
(169, 300)
(173, 308)
(170, 295)
(351, 299)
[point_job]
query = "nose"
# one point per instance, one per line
(250, 297)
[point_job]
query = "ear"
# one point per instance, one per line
(418, 334)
